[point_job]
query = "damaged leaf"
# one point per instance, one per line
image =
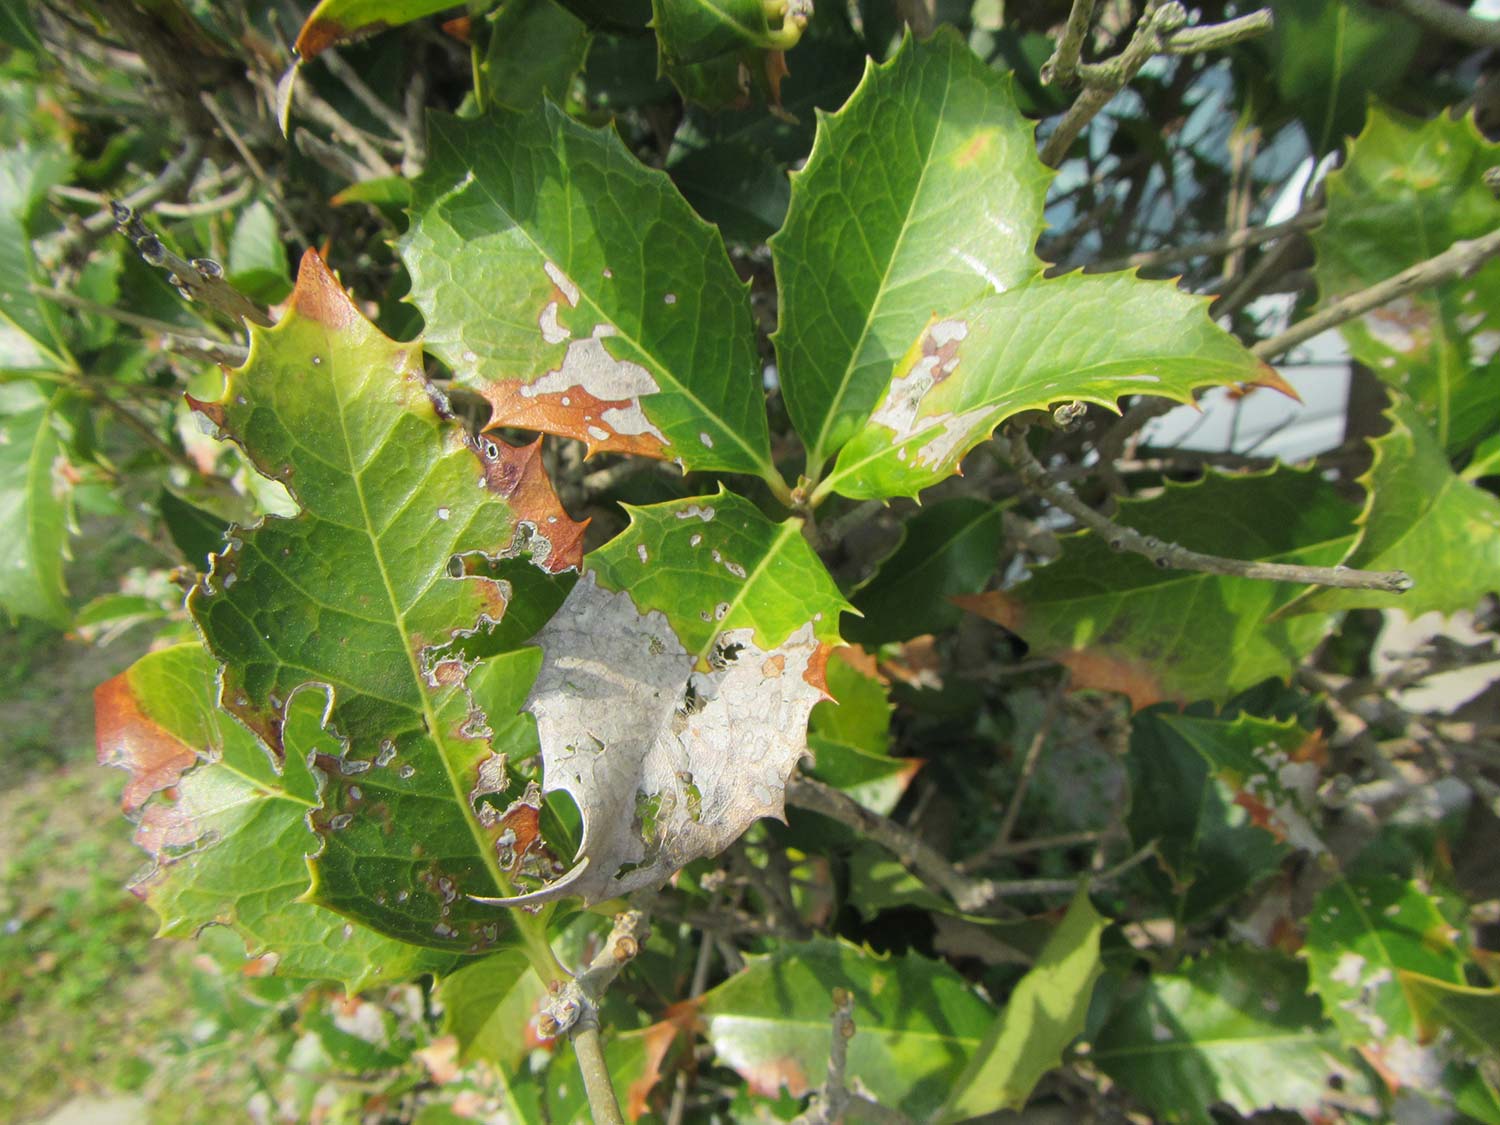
(577, 292)
(924, 190)
(1407, 191)
(1420, 517)
(379, 600)
(1080, 338)
(226, 826)
(676, 685)
(1121, 623)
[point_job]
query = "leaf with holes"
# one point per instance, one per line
(226, 824)
(1121, 623)
(1407, 191)
(676, 686)
(1420, 517)
(1366, 930)
(578, 293)
(384, 599)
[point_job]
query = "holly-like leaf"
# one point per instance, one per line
(694, 31)
(536, 48)
(1420, 517)
(922, 192)
(1235, 1026)
(1407, 190)
(1044, 1014)
(1093, 338)
(577, 291)
(378, 598)
(1365, 931)
(336, 21)
(226, 825)
(1224, 801)
(676, 686)
(850, 734)
(34, 505)
(1121, 623)
(946, 549)
(1329, 56)
(917, 1023)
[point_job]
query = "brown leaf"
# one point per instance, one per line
(517, 475)
(128, 738)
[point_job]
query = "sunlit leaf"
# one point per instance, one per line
(1235, 1026)
(1121, 623)
(31, 337)
(577, 291)
(1407, 190)
(379, 598)
(1420, 517)
(536, 48)
(693, 31)
(917, 1023)
(334, 21)
(227, 826)
(1044, 1014)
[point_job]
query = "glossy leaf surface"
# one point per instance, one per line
(377, 597)
(923, 192)
(334, 21)
(226, 825)
(691, 31)
(917, 1022)
(30, 331)
(577, 291)
(1405, 193)
(536, 48)
(1121, 623)
(34, 505)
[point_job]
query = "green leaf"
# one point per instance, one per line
(859, 714)
(1420, 517)
(334, 21)
(34, 505)
(676, 686)
(1329, 56)
(257, 259)
(1211, 794)
(694, 31)
(1123, 624)
(536, 48)
(30, 337)
(948, 548)
(577, 291)
(227, 826)
(1235, 1026)
(17, 28)
(1366, 931)
(490, 1005)
(1472, 1014)
(922, 192)
(1406, 192)
(1078, 338)
(1044, 1014)
(917, 1023)
(377, 597)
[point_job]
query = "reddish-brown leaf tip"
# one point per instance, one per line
(681, 1019)
(1268, 376)
(130, 739)
(517, 475)
(319, 296)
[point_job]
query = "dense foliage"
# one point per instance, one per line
(886, 721)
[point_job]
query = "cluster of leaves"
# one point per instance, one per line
(416, 720)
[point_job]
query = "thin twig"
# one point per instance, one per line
(1214, 37)
(1450, 20)
(1029, 763)
(201, 279)
(1171, 556)
(378, 107)
(995, 851)
(273, 189)
(831, 1101)
(1461, 259)
(696, 989)
(1220, 244)
(231, 198)
(1063, 65)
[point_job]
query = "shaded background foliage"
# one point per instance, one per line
(1287, 810)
